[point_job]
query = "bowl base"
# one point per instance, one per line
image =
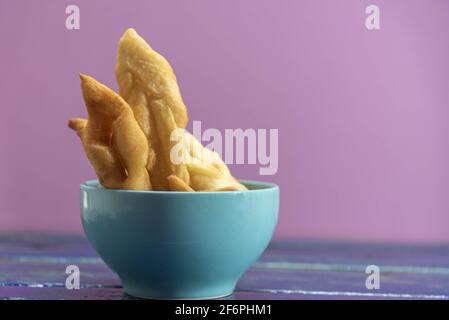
(193, 293)
(186, 298)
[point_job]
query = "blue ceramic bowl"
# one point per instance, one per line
(179, 245)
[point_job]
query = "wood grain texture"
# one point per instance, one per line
(33, 267)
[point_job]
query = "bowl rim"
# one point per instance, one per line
(264, 187)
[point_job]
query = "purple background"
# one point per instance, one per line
(362, 115)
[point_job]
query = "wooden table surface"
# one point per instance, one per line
(33, 267)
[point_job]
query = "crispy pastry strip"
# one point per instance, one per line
(147, 82)
(129, 141)
(207, 170)
(177, 184)
(113, 141)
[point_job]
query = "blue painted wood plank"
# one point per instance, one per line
(33, 267)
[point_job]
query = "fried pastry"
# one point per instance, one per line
(176, 184)
(207, 170)
(129, 137)
(113, 141)
(147, 82)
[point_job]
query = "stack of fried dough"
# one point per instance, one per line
(136, 140)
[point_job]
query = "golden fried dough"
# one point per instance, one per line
(207, 171)
(131, 139)
(113, 141)
(147, 82)
(177, 184)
